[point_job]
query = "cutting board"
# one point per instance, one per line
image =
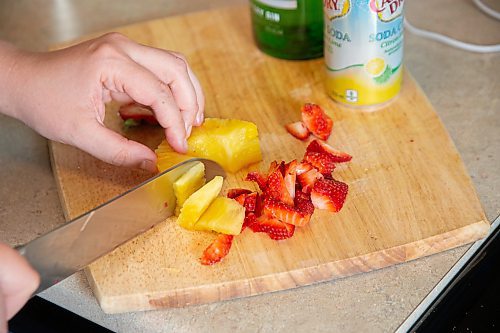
(409, 193)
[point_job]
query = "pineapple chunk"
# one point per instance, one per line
(188, 183)
(224, 215)
(168, 157)
(232, 143)
(198, 202)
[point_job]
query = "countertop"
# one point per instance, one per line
(463, 87)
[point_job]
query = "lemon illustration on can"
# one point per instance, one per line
(375, 66)
(378, 70)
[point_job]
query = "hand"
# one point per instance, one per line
(17, 282)
(61, 94)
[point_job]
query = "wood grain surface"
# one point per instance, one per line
(410, 195)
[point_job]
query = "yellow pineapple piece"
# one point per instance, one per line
(168, 157)
(188, 183)
(232, 143)
(198, 202)
(224, 215)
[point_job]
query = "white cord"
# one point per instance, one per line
(487, 10)
(456, 43)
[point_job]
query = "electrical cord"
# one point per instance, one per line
(457, 43)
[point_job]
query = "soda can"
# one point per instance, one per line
(363, 50)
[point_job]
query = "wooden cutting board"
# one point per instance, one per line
(410, 195)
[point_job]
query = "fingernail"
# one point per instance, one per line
(199, 118)
(188, 130)
(148, 166)
(184, 145)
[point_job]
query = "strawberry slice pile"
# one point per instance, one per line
(314, 120)
(289, 194)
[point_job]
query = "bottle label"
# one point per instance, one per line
(279, 4)
(387, 10)
(363, 50)
(336, 8)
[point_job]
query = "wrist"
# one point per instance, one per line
(10, 59)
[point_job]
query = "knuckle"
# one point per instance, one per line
(179, 63)
(115, 37)
(107, 46)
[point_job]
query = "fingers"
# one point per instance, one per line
(151, 92)
(173, 69)
(113, 148)
(18, 281)
(200, 97)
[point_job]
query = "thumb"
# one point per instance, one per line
(113, 148)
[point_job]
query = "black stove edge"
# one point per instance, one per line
(41, 316)
(418, 320)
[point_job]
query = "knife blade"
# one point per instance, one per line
(79, 242)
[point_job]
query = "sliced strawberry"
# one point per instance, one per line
(329, 194)
(241, 199)
(257, 178)
(235, 192)
(298, 130)
(273, 227)
(323, 162)
(276, 187)
(216, 251)
(323, 147)
(284, 213)
(307, 179)
(250, 202)
(290, 177)
(317, 121)
(138, 113)
(303, 203)
(250, 221)
(303, 167)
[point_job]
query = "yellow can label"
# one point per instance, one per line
(363, 50)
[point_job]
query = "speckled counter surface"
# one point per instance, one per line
(463, 87)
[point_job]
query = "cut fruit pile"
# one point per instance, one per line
(288, 192)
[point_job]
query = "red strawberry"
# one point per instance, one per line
(138, 113)
(216, 251)
(307, 179)
(324, 163)
(276, 187)
(298, 130)
(250, 202)
(273, 227)
(329, 194)
(303, 203)
(317, 121)
(290, 177)
(257, 178)
(303, 167)
(249, 221)
(323, 147)
(284, 213)
(241, 199)
(235, 192)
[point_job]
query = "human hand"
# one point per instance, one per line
(17, 282)
(61, 94)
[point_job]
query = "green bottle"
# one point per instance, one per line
(288, 29)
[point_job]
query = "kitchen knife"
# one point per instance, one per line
(74, 245)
